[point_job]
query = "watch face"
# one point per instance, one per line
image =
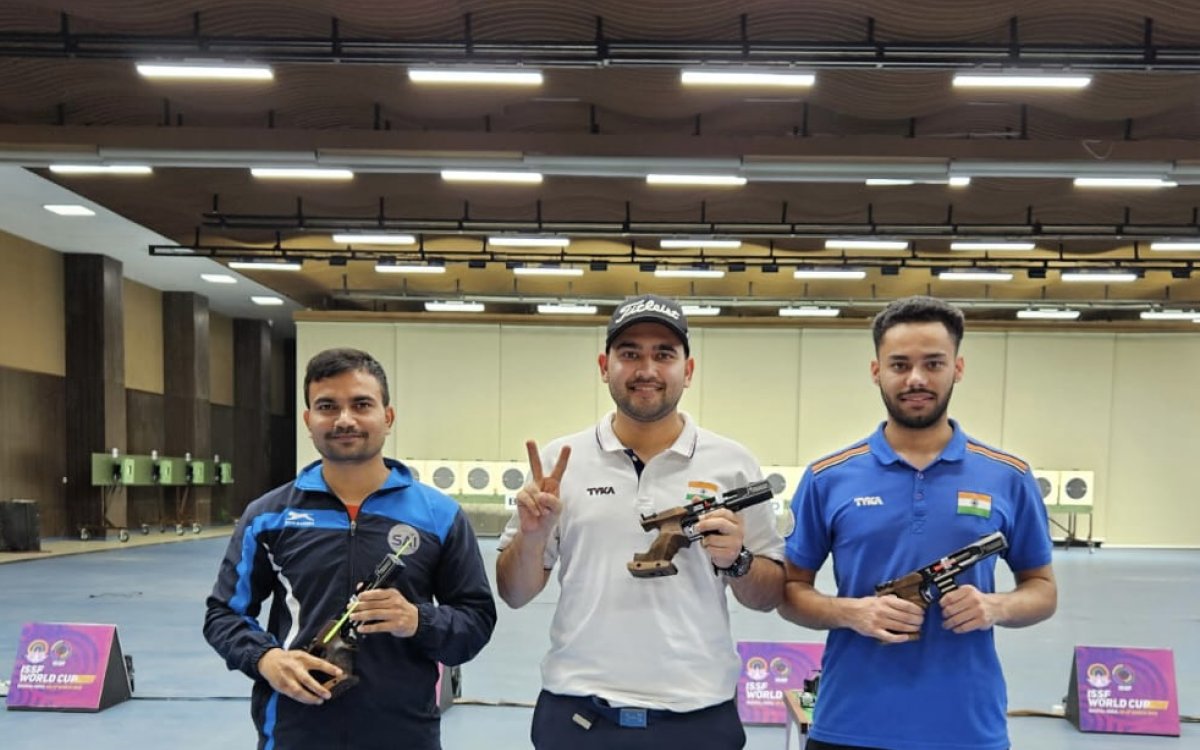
(741, 564)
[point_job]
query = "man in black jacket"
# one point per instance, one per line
(309, 543)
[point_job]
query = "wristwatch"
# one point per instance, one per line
(741, 565)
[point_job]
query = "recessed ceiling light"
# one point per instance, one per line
(700, 310)
(408, 268)
(684, 242)
(1047, 314)
(301, 173)
(689, 273)
(986, 245)
(264, 265)
(119, 169)
(566, 309)
(205, 71)
(69, 209)
(829, 273)
(218, 278)
(810, 312)
(1176, 245)
(1169, 315)
(866, 245)
(1123, 182)
(495, 76)
(374, 239)
(695, 179)
(1103, 277)
(267, 301)
(975, 275)
(513, 241)
(1017, 81)
(547, 271)
(885, 181)
(490, 175)
(746, 78)
(472, 307)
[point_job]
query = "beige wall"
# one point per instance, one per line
(220, 359)
(32, 314)
(1122, 405)
(143, 337)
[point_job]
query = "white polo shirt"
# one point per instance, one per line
(646, 642)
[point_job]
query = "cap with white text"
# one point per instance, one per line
(649, 308)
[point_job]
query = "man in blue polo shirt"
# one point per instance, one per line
(917, 489)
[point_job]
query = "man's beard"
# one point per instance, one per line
(917, 421)
(639, 413)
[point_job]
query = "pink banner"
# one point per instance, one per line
(60, 666)
(1126, 691)
(768, 670)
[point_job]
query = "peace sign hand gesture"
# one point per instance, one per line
(538, 503)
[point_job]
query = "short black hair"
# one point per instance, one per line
(333, 362)
(919, 309)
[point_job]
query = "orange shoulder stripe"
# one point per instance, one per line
(838, 458)
(995, 455)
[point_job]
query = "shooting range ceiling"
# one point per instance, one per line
(611, 110)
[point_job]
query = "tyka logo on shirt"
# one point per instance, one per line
(601, 490)
(868, 500)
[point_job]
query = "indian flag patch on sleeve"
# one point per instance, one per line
(974, 504)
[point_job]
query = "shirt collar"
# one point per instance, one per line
(955, 450)
(684, 445)
(311, 479)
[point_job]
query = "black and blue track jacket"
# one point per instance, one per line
(297, 545)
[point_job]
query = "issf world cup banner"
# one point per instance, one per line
(1123, 691)
(68, 667)
(769, 670)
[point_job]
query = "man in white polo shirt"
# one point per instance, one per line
(639, 662)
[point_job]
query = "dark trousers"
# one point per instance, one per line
(567, 722)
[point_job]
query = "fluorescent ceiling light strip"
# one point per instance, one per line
(263, 265)
(689, 273)
(218, 278)
(130, 169)
(490, 175)
(809, 312)
(695, 311)
(566, 309)
(959, 181)
(407, 268)
(694, 179)
(547, 271)
(1014, 81)
(882, 181)
(865, 245)
(1047, 314)
(301, 173)
(674, 244)
(473, 307)
(746, 78)
(502, 241)
(209, 71)
(267, 301)
(464, 75)
(374, 239)
(992, 245)
(1123, 182)
(829, 273)
(1170, 315)
(1099, 278)
(68, 209)
(1179, 246)
(975, 276)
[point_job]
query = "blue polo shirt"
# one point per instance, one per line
(881, 518)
